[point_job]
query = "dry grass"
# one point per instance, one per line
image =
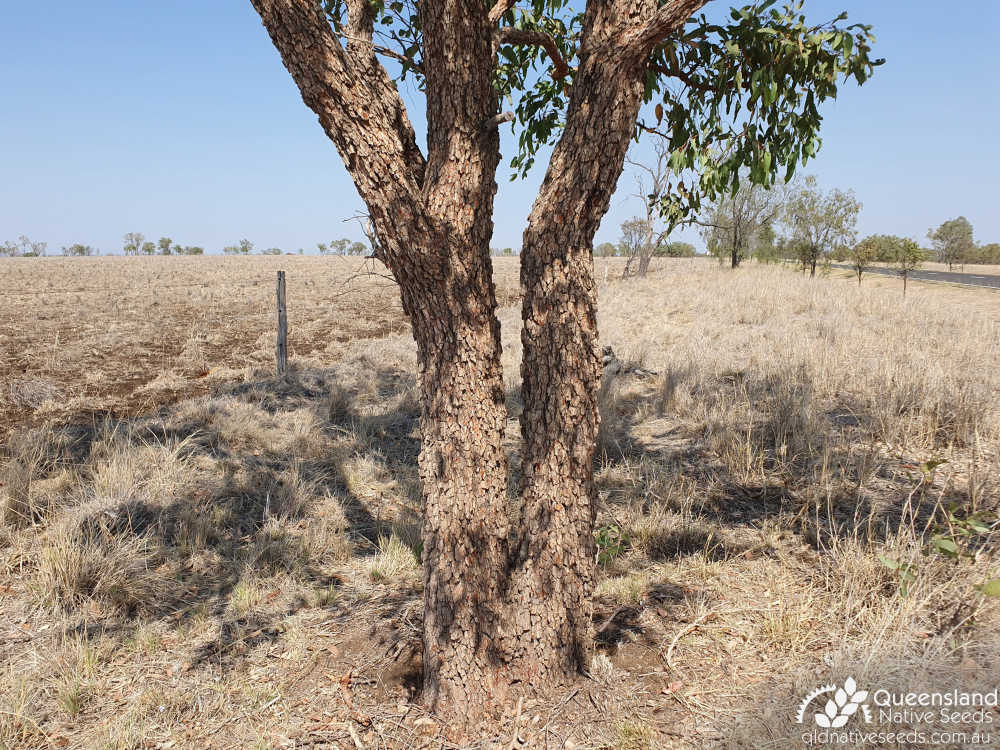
(240, 568)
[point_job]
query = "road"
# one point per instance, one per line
(948, 277)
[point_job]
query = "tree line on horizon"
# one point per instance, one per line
(819, 228)
(135, 243)
(796, 222)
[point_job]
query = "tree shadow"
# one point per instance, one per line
(799, 448)
(233, 524)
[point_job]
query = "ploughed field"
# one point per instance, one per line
(799, 481)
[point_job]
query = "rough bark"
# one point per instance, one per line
(494, 613)
(553, 565)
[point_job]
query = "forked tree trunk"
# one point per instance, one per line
(500, 609)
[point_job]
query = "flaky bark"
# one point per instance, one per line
(554, 562)
(494, 614)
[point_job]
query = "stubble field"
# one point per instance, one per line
(194, 553)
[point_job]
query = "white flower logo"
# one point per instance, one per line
(842, 706)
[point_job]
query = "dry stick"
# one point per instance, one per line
(689, 629)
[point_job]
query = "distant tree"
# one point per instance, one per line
(820, 222)
(323, 248)
(886, 247)
(606, 250)
(909, 256)
(636, 243)
(675, 249)
(148, 248)
(78, 250)
(271, 251)
(29, 248)
(132, 243)
(243, 247)
(988, 253)
(863, 255)
(763, 248)
(652, 183)
(952, 241)
(301, 251)
(10, 249)
(340, 247)
(165, 246)
(357, 248)
(733, 223)
(189, 250)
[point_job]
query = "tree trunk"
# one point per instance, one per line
(553, 565)
(644, 263)
(812, 267)
(495, 613)
(735, 258)
(463, 468)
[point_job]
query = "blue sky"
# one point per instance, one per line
(178, 119)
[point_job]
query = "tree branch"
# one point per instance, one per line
(497, 11)
(355, 100)
(640, 41)
(681, 76)
(498, 120)
(509, 35)
(383, 50)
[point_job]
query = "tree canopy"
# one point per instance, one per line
(742, 94)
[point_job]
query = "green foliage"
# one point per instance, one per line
(736, 223)
(959, 534)
(611, 541)
(909, 256)
(243, 247)
(24, 247)
(991, 587)
(740, 95)
(343, 246)
(165, 246)
(79, 250)
(606, 250)
(952, 241)
(863, 255)
(271, 251)
(987, 254)
(904, 573)
(676, 249)
(132, 243)
(148, 248)
(820, 222)
(751, 96)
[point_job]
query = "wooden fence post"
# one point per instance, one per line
(282, 351)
